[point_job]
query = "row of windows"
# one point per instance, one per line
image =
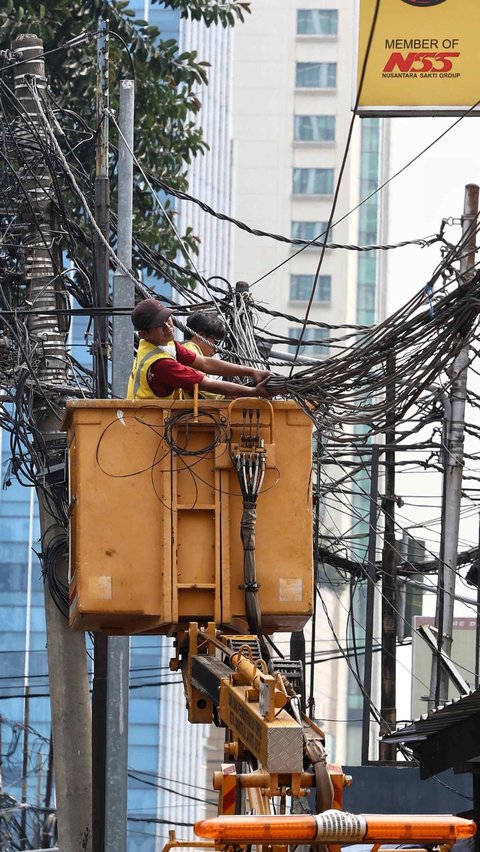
(318, 22)
(368, 220)
(313, 128)
(316, 75)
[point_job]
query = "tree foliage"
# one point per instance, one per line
(168, 87)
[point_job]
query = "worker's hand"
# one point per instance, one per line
(261, 389)
(260, 375)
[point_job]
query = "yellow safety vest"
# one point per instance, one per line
(138, 387)
(194, 347)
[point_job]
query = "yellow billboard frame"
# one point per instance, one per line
(423, 59)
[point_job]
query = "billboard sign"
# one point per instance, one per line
(423, 58)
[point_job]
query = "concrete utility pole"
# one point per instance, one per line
(67, 660)
(453, 469)
(102, 213)
(122, 354)
(101, 281)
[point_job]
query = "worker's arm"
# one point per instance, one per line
(231, 389)
(216, 367)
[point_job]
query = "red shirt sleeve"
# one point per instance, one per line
(166, 375)
(184, 355)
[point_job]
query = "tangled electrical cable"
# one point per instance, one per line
(346, 394)
(53, 555)
(351, 388)
(180, 422)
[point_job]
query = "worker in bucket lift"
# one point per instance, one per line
(203, 333)
(164, 369)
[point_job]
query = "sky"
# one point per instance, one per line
(430, 189)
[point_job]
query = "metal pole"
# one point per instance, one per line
(477, 629)
(453, 464)
(123, 285)
(298, 652)
(100, 641)
(122, 349)
(388, 711)
(102, 202)
(38, 821)
(26, 726)
(436, 658)
(369, 616)
(67, 661)
(46, 834)
(316, 543)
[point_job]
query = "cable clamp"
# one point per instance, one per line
(250, 587)
(11, 55)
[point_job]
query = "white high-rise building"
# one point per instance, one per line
(293, 89)
(277, 115)
(291, 108)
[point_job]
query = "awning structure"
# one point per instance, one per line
(445, 737)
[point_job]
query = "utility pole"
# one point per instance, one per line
(370, 608)
(453, 469)
(388, 714)
(316, 545)
(46, 833)
(477, 630)
(100, 641)
(102, 209)
(122, 354)
(26, 726)
(67, 660)
(38, 802)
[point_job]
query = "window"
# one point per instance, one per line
(310, 231)
(316, 75)
(312, 181)
(314, 128)
(366, 301)
(317, 22)
(314, 349)
(301, 288)
(368, 222)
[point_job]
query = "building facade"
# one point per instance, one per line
(277, 116)
(292, 112)
(167, 757)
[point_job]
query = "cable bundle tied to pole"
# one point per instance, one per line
(247, 532)
(250, 467)
(348, 389)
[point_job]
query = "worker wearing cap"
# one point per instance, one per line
(163, 368)
(203, 333)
